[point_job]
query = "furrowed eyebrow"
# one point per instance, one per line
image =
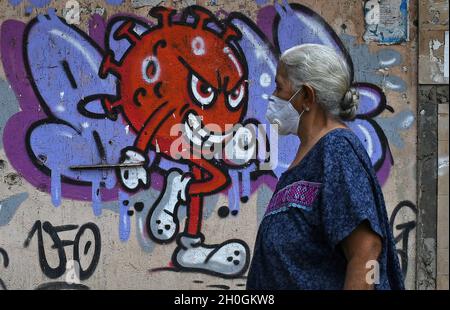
(184, 62)
(237, 85)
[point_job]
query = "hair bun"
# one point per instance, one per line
(349, 104)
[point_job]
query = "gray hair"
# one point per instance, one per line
(327, 72)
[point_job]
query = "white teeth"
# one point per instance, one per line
(202, 133)
(196, 124)
(193, 123)
(195, 139)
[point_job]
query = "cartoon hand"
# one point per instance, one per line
(132, 169)
(241, 149)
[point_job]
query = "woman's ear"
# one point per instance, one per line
(309, 94)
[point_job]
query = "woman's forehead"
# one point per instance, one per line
(281, 75)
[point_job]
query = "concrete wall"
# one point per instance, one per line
(442, 225)
(53, 95)
(432, 235)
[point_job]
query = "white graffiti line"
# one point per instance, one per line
(368, 139)
(227, 51)
(392, 86)
(75, 43)
(388, 62)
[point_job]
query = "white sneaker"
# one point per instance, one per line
(229, 259)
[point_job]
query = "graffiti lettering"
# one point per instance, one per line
(397, 223)
(80, 249)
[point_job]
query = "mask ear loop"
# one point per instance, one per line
(296, 93)
(305, 108)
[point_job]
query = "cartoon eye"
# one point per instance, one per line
(203, 93)
(236, 96)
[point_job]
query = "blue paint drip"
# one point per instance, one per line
(124, 219)
(233, 192)
(56, 187)
(96, 199)
(246, 181)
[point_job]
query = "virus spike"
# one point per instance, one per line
(108, 65)
(126, 31)
(110, 105)
(203, 17)
(164, 15)
(231, 32)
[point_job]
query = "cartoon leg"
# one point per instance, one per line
(162, 221)
(229, 259)
(201, 185)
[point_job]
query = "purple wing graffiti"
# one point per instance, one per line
(69, 91)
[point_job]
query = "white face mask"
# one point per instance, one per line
(282, 113)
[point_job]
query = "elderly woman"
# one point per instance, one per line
(326, 225)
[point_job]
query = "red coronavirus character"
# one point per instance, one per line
(188, 72)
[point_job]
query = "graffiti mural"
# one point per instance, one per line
(134, 106)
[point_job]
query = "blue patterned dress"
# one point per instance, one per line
(317, 204)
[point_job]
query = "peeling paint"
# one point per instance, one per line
(436, 10)
(436, 63)
(386, 21)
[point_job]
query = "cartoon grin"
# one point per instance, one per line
(196, 132)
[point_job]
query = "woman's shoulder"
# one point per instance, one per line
(339, 139)
(344, 143)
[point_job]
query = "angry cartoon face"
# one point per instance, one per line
(197, 53)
